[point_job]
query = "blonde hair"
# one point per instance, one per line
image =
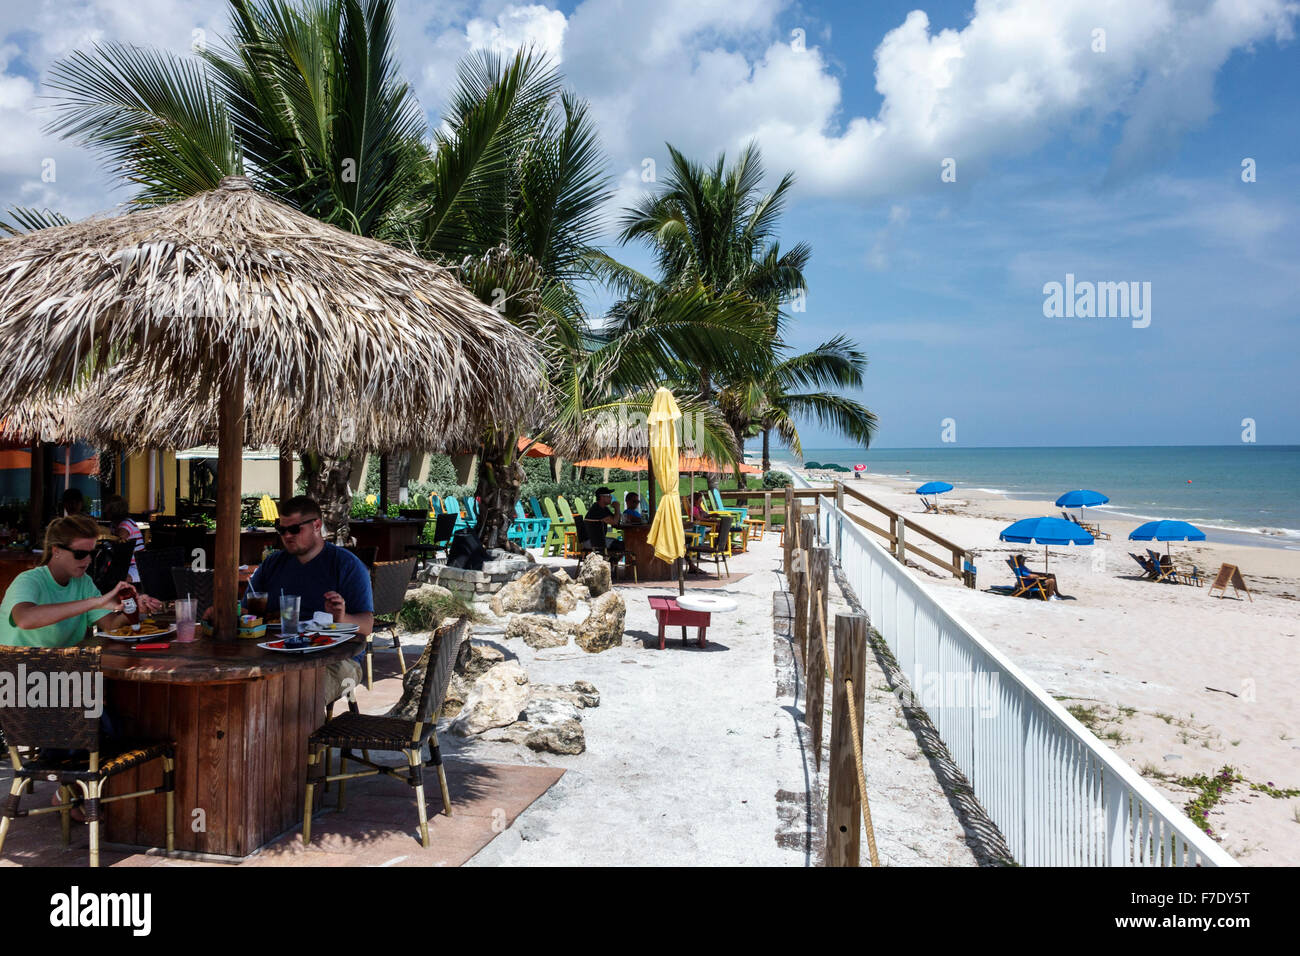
(63, 531)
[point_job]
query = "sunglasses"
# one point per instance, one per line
(294, 528)
(76, 552)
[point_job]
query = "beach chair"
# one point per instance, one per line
(1027, 583)
(931, 507)
(388, 581)
(741, 512)
(1162, 566)
(536, 506)
(555, 537)
(1150, 571)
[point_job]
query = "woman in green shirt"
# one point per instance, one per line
(52, 605)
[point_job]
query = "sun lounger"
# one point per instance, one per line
(1150, 571)
(1027, 583)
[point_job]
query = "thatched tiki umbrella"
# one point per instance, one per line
(229, 314)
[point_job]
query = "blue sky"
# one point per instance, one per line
(1115, 164)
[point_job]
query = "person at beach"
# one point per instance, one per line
(54, 603)
(324, 576)
(1047, 579)
(124, 529)
(632, 509)
(604, 512)
(698, 511)
(74, 502)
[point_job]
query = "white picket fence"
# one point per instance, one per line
(1059, 795)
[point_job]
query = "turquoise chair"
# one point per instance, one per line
(536, 506)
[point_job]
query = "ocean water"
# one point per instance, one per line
(1243, 493)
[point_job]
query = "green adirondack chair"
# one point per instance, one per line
(555, 537)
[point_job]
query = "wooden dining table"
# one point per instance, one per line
(240, 716)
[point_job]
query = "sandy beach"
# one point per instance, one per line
(1177, 681)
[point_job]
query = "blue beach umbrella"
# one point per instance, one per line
(1081, 499)
(933, 488)
(1045, 531)
(1166, 531)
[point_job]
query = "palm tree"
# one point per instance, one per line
(714, 229)
(305, 100)
(772, 404)
(515, 186)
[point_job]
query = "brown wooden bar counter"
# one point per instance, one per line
(240, 716)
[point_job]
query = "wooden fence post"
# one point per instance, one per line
(791, 530)
(815, 694)
(844, 804)
(900, 546)
(839, 495)
(807, 540)
(799, 592)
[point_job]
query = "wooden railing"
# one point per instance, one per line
(894, 528)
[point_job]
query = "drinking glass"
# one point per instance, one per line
(290, 604)
(185, 619)
(255, 603)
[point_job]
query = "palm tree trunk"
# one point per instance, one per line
(767, 450)
(328, 484)
(500, 480)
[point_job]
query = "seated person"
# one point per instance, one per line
(698, 511)
(632, 509)
(603, 512)
(53, 604)
(1048, 580)
(124, 529)
(325, 577)
(74, 502)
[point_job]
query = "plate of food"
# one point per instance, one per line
(148, 629)
(311, 642)
(335, 627)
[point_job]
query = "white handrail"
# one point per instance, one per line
(1058, 794)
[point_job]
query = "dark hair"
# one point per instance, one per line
(630, 495)
(73, 497)
(303, 505)
(115, 508)
(63, 531)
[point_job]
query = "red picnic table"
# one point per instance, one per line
(670, 615)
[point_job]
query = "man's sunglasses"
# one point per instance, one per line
(77, 552)
(294, 528)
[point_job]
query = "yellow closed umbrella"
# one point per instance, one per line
(666, 532)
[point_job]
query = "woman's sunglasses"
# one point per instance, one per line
(293, 528)
(76, 552)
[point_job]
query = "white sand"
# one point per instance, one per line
(1155, 648)
(701, 757)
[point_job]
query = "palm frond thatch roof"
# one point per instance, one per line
(127, 329)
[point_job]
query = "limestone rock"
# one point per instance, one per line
(563, 577)
(580, 693)
(603, 628)
(475, 660)
(457, 691)
(566, 737)
(548, 711)
(539, 630)
(496, 700)
(594, 573)
(532, 592)
(570, 596)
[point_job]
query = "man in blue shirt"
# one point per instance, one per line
(325, 576)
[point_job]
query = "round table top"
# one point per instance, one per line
(208, 661)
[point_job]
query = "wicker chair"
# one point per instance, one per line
(155, 567)
(53, 735)
(196, 584)
(388, 581)
(349, 732)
